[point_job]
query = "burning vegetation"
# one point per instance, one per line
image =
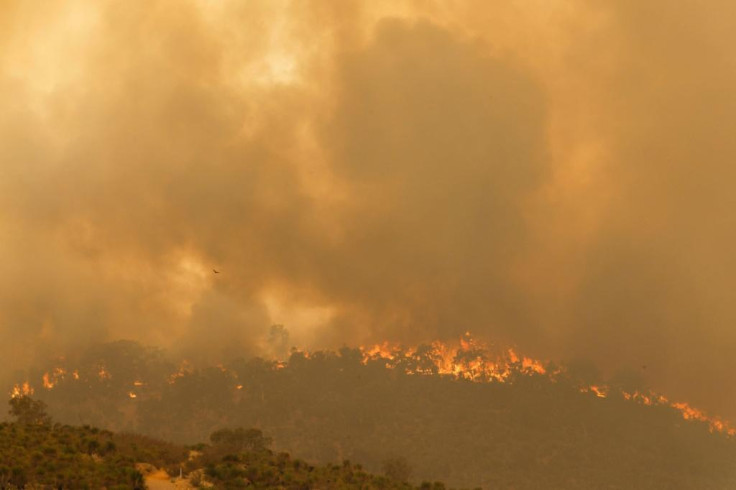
(472, 361)
(374, 403)
(467, 359)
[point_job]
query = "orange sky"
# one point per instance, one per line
(555, 175)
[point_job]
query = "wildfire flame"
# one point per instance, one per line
(22, 389)
(52, 378)
(470, 360)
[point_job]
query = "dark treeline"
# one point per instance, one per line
(532, 431)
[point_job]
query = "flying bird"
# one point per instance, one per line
(215, 271)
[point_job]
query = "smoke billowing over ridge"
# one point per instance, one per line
(555, 175)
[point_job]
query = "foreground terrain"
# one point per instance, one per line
(38, 454)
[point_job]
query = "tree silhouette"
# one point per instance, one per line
(28, 411)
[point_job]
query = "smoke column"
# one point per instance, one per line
(556, 175)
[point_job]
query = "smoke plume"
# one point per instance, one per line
(553, 175)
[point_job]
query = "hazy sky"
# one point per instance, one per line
(553, 174)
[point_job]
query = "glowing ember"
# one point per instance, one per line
(103, 373)
(185, 368)
(600, 392)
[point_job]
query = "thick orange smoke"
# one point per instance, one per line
(551, 174)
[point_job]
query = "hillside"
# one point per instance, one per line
(520, 429)
(35, 453)
(61, 456)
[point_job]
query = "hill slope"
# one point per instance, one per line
(45, 455)
(524, 430)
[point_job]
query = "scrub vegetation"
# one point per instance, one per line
(36, 453)
(400, 416)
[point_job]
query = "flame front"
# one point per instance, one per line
(466, 359)
(470, 360)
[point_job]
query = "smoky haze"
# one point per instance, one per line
(555, 175)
